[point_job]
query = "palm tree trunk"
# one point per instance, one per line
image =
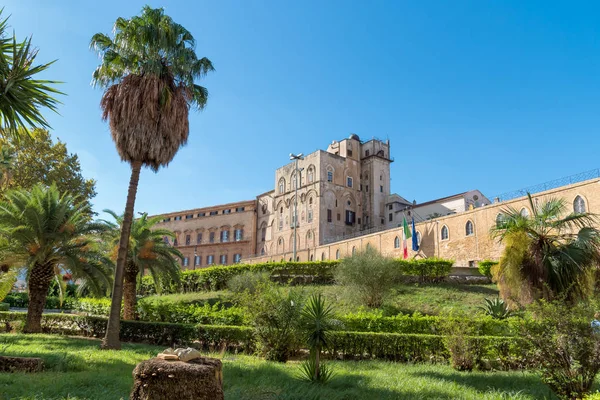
(39, 282)
(111, 340)
(129, 292)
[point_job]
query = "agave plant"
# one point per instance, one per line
(496, 308)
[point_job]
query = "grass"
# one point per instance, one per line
(76, 369)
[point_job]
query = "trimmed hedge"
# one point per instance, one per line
(485, 267)
(21, 300)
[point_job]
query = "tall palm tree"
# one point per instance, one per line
(22, 97)
(549, 254)
(45, 232)
(148, 251)
(148, 69)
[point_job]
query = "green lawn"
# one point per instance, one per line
(77, 369)
(428, 299)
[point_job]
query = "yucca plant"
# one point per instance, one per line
(496, 308)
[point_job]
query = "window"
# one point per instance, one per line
(349, 202)
(380, 177)
(210, 260)
(280, 222)
(188, 240)
(199, 238)
(309, 235)
(310, 215)
(329, 176)
(500, 220)
(166, 219)
(349, 181)
(175, 243)
(469, 228)
(310, 201)
(197, 260)
(238, 235)
(262, 251)
(223, 259)
(380, 188)
(201, 214)
(471, 264)
(214, 212)
(382, 221)
(367, 153)
(228, 211)
(444, 232)
(293, 217)
(310, 174)
(294, 181)
(178, 218)
(322, 256)
(186, 261)
(359, 221)
(224, 236)
(339, 217)
(240, 209)
(166, 239)
(263, 234)
(337, 255)
(391, 217)
(311, 257)
(237, 257)
(419, 239)
(396, 242)
(391, 207)
(189, 216)
(524, 212)
(350, 217)
(353, 250)
(281, 185)
(211, 237)
(328, 215)
(349, 153)
(366, 188)
(579, 205)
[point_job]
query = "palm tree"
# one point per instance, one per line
(148, 70)
(21, 96)
(45, 232)
(149, 251)
(549, 254)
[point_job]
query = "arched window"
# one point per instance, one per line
(281, 185)
(310, 174)
(469, 228)
(297, 258)
(329, 173)
(500, 220)
(579, 205)
(262, 251)
(311, 257)
(396, 242)
(419, 239)
(444, 232)
(337, 255)
(524, 212)
(294, 181)
(353, 250)
(322, 256)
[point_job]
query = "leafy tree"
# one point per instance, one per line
(147, 251)
(148, 70)
(550, 254)
(45, 232)
(23, 96)
(37, 159)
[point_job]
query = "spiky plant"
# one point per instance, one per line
(43, 231)
(496, 308)
(147, 251)
(549, 254)
(148, 70)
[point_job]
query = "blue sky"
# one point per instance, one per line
(481, 95)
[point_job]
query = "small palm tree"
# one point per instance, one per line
(23, 96)
(148, 251)
(316, 322)
(549, 254)
(44, 232)
(148, 70)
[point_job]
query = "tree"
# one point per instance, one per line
(148, 70)
(23, 97)
(550, 254)
(37, 159)
(147, 251)
(45, 232)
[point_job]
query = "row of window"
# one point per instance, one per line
(203, 214)
(210, 260)
(310, 174)
(238, 235)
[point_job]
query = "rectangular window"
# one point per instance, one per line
(223, 259)
(211, 237)
(237, 258)
(339, 217)
(391, 207)
(166, 219)
(178, 218)
(189, 216)
(281, 188)
(214, 212)
(471, 264)
(310, 175)
(280, 223)
(263, 234)
(239, 235)
(199, 238)
(349, 153)
(188, 240)
(391, 217)
(328, 215)
(350, 217)
(367, 153)
(224, 236)
(240, 209)
(228, 211)
(310, 215)
(349, 181)
(201, 214)
(359, 221)
(210, 260)
(381, 188)
(382, 221)
(186, 261)
(367, 188)
(329, 176)
(197, 260)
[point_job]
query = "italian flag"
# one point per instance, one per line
(405, 235)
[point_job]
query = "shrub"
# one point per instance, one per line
(21, 300)
(485, 267)
(4, 306)
(248, 281)
(565, 347)
(93, 306)
(427, 269)
(459, 341)
(496, 308)
(368, 276)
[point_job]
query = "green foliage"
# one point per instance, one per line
(566, 348)
(427, 269)
(496, 308)
(485, 267)
(21, 300)
(7, 282)
(93, 306)
(312, 372)
(248, 281)
(4, 306)
(368, 276)
(460, 343)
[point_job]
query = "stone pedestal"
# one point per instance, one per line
(198, 379)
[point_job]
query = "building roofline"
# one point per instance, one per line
(193, 210)
(442, 198)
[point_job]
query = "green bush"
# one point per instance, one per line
(485, 267)
(248, 281)
(4, 306)
(93, 306)
(368, 276)
(427, 269)
(21, 300)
